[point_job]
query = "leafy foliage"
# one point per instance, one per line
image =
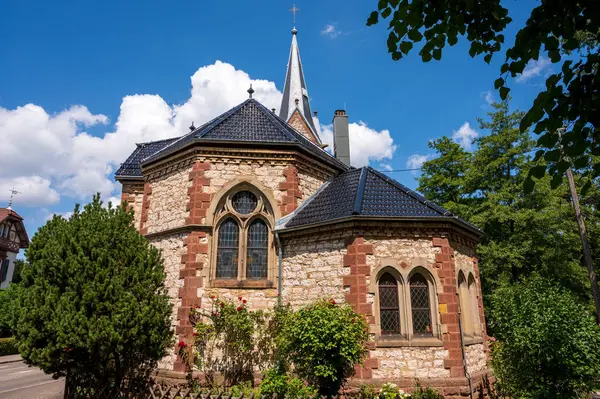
(6, 311)
(524, 232)
(283, 385)
(8, 346)
(325, 342)
(232, 341)
(92, 300)
(548, 344)
(571, 99)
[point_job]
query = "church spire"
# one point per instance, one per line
(295, 95)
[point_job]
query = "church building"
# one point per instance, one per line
(252, 205)
(13, 237)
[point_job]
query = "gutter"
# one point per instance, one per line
(280, 267)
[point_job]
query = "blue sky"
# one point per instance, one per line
(75, 62)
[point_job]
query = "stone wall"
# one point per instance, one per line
(397, 363)
(476, 358)
(172, 250)
(168, 201)
(312, 269)
(133, 194)
(308, 185)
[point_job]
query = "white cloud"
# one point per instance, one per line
(533, 68)
(488, 96)
(32, 190)
(465, 136)
(330, 31)
(366, 144)
(386, 167)
(415, 161)
(52, 155)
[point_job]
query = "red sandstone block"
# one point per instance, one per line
(358, 371)
(364, 248)
(286, 186)
(453, 307)
(203, 249)
(361, 259)
(453, 328)
(359, 241)
(365, 308)
(455, 354)
(449, 289)
(451, 344)
(456, 372)
(184, 330)
(288, 200)
(440, 242)
(446, 274)
(446, 298)
(367, 373)
(362, 289)
(201, 165)
(371, 363)
(349, 260)
(191, 301)
(371, 345)
(350, 280)
(183, 313)
(448, 363)
(144, 231)
(183, 273)
(447, 250)
(447, 318)
(193, 282)
(194, 174)
(351, 299)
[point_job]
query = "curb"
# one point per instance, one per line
(11, 360)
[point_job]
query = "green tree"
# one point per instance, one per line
(548, 343)
(557, 28)
(19, 265)
(325, 342)
(524, 232)
(92, 301)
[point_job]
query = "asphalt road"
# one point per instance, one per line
(17, 380)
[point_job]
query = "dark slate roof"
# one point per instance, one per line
(131, 167)
(367, 193)
(249, 122)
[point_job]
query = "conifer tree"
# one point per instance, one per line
(92, 301)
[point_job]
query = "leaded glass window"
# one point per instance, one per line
(257, 250)
(244, 202)
(420, 306)
(474, 305)
(389, 306)
(228, 249)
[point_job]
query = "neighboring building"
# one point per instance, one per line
(13, 237)
(251, 205)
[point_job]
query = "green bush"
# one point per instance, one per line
(92, 300)
(548, 344)
(8, 346)
(425, 393)
(284, 386)
(324, 342)
(6, 312)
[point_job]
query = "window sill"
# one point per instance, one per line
(244, 284)
(399, 341)
(473, 340)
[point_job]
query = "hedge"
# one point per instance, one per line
(8, 346)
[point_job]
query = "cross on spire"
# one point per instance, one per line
(13, 192)
(294, 10)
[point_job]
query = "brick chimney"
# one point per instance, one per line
(341, 138)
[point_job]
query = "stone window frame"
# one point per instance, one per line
(403, 276)
(224, 210)
(468, 296)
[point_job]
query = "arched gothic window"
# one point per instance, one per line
(389, 305)
(405, 310)
(420, 306)
(465, 307)
(243, 236)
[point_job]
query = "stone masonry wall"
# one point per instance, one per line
(172, 249)
(308, 184)
(167, 205)
(476, 358)
(397, 363)
(312, 269)
(133, 194)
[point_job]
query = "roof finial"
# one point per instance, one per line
(250, 90)
(296, 101)
(13, 192)
(294, 10)
(192, 127)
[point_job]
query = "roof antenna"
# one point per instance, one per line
(192, 127)
(273, 110)
(13, 192)
(250, 90)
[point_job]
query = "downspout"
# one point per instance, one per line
(462, 348)
(280, 269)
